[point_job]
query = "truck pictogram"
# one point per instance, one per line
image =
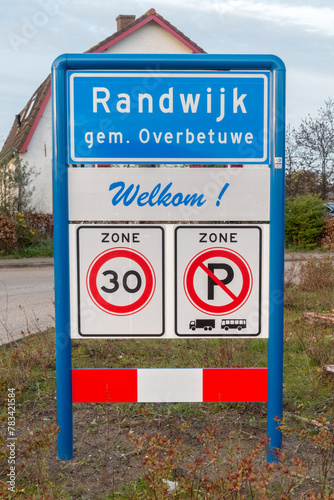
(207, 324)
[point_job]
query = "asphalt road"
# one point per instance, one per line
(26, 301)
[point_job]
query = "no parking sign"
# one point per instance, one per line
(219, 278)
(236, 270)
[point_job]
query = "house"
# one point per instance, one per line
(31, 133)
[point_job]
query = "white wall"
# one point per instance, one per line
(151, 38)
(39, 156)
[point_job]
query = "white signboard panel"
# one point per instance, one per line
(169, 194)
(117, 281)
(220, 288)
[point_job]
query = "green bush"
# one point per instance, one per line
(304, 221)
(26, 236)
(8, 236)
(26, 231)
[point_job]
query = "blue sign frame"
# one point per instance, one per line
(99, 62)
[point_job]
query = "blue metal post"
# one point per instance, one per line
(61, 266)
(276, 273)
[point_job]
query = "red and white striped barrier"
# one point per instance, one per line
(169, 385)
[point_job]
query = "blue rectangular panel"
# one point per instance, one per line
(168, 117)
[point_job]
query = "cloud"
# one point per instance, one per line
(318, 19)
(300, 32)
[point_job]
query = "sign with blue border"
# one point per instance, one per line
(168, 117)
(233, 94)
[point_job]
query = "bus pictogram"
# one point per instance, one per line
(233, 324)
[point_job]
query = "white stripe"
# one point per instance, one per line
(170, 385)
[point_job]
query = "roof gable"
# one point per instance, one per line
(150, 15)
(26, 122)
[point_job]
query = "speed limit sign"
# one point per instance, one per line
(117, 296)
(120, 276)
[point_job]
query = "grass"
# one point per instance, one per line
(43, 248)
(290, 249)
(211, 461)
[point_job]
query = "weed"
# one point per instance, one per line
(36, 446)
(172, 470)
(317, 274)
(29, 364)
(318, 343)
(319, 432)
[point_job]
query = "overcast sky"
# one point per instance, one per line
(33, 33)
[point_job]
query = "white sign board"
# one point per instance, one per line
(169, 194)
(219, 285)
(117, 281)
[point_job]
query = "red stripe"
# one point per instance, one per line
(234, 384)
(100, 385)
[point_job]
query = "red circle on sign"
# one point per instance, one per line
(236, 300)
(94, 293)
